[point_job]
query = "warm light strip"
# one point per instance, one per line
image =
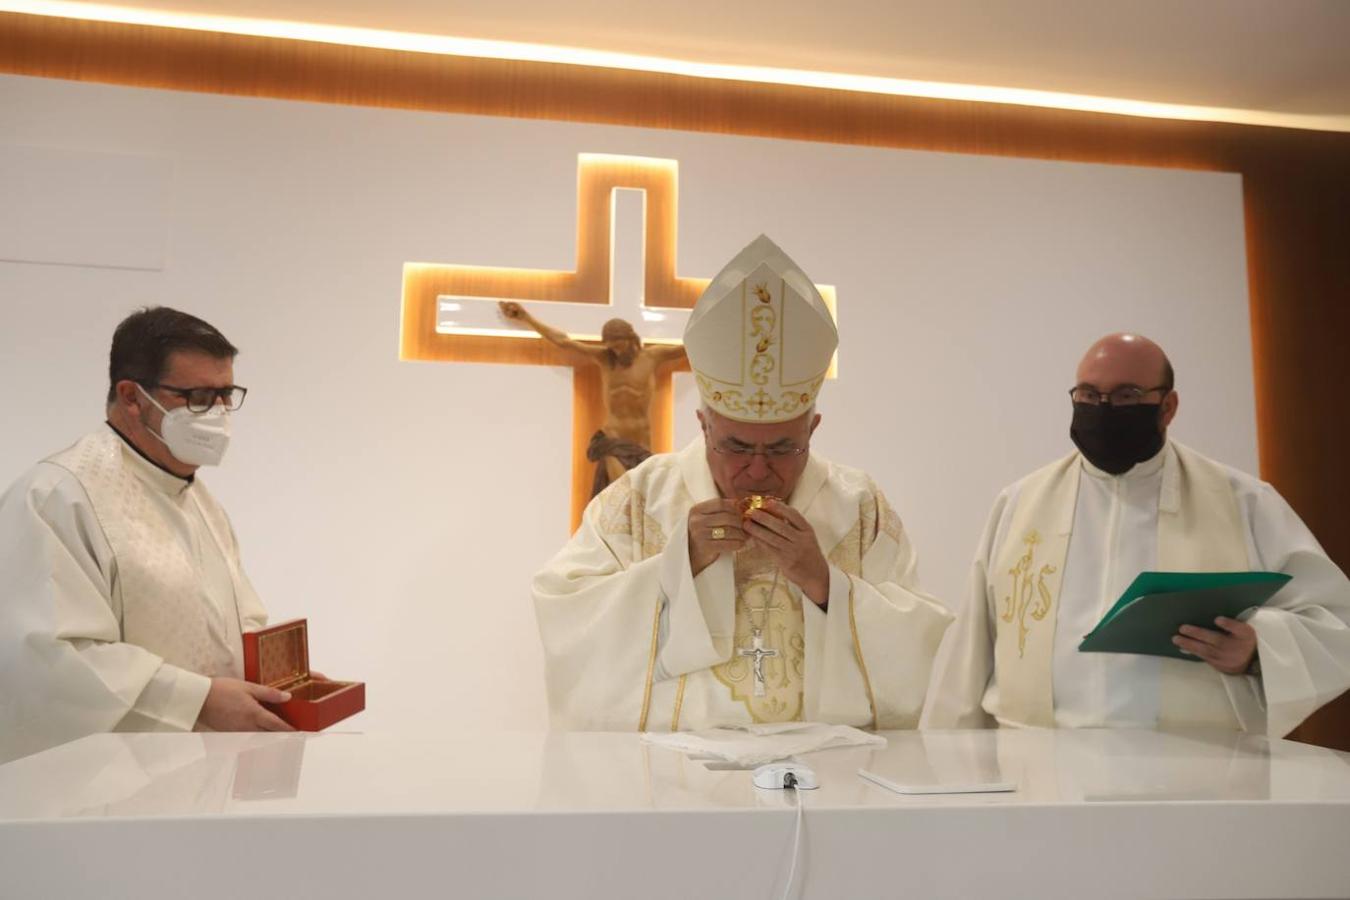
(543, 53)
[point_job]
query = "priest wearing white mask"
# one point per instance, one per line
(124, 598)
(674, 608)
(1071, 537)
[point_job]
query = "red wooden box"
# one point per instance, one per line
(279, 657)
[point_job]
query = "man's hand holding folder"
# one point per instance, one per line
(1171, 613)
(1231, 649)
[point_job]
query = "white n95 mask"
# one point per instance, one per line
(197, 439)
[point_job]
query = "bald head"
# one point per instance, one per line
(1125, 359)
(1129, 361)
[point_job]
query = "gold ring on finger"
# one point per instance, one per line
(718, 533)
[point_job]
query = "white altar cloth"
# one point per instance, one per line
(1097, 813)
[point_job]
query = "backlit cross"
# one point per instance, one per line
(450, 311)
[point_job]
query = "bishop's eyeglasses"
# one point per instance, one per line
(1125, 395)
(745, 452)
(201, 399)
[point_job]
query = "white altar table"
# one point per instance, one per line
(1129, 814)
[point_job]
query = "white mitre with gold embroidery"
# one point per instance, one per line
(760, 338)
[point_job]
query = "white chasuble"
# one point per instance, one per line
(1065, 542)
(125, 597)
(633, 641)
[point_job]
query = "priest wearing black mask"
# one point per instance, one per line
(1063, 543)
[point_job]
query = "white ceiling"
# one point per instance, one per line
(1279, 56)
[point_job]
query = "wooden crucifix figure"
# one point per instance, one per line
(628, 372)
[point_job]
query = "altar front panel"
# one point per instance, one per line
(1100, 813)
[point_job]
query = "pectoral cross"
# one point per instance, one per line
(758, 651)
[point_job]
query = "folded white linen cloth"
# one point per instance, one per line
(751, 745)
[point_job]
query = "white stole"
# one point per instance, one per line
(1199, 530)
(160, 600)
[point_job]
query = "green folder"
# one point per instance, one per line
(1156, 604)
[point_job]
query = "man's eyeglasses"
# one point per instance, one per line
(745, 452)
(1125, 395)
(200, 399)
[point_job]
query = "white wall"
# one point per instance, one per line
(403, 506)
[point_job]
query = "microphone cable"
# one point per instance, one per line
(790, 782)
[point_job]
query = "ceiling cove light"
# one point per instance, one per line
(543, 53)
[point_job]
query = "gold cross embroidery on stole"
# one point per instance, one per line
(766, 604)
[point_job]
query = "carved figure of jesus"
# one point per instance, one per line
(628, 379)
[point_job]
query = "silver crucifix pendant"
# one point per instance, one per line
(758, 651)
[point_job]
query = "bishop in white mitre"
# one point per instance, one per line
(744, 578)
(1064, 542)
(124, 597)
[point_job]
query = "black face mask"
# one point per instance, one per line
(1116, 438)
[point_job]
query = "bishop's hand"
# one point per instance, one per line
(511, 309)
(1230, 650)
(791, 541)
(234, 705)
(714, 529)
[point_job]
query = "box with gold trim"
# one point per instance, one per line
(279, 657)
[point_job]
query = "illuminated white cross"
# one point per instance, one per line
(450, 311)
(459, 314)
